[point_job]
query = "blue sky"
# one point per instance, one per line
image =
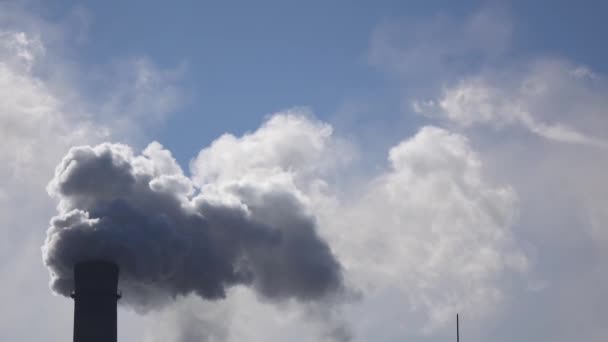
(452, 155)
(244, 61)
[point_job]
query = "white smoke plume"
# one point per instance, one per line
(429, 233)
(171, 238)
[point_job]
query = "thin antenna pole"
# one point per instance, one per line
(457, 329)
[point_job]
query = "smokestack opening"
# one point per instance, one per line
(95, 297)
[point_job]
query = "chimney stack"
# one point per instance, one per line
(95, 298)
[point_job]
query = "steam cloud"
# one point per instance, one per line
(171, 238)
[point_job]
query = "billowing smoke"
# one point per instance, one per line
(171, 238)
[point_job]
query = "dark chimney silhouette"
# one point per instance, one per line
(95, 297)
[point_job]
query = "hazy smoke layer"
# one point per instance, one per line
(170, 238)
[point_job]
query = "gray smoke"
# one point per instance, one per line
(171, 239)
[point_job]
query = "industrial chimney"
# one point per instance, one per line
(95, 297)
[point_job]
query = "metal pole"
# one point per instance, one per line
(457, 329)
